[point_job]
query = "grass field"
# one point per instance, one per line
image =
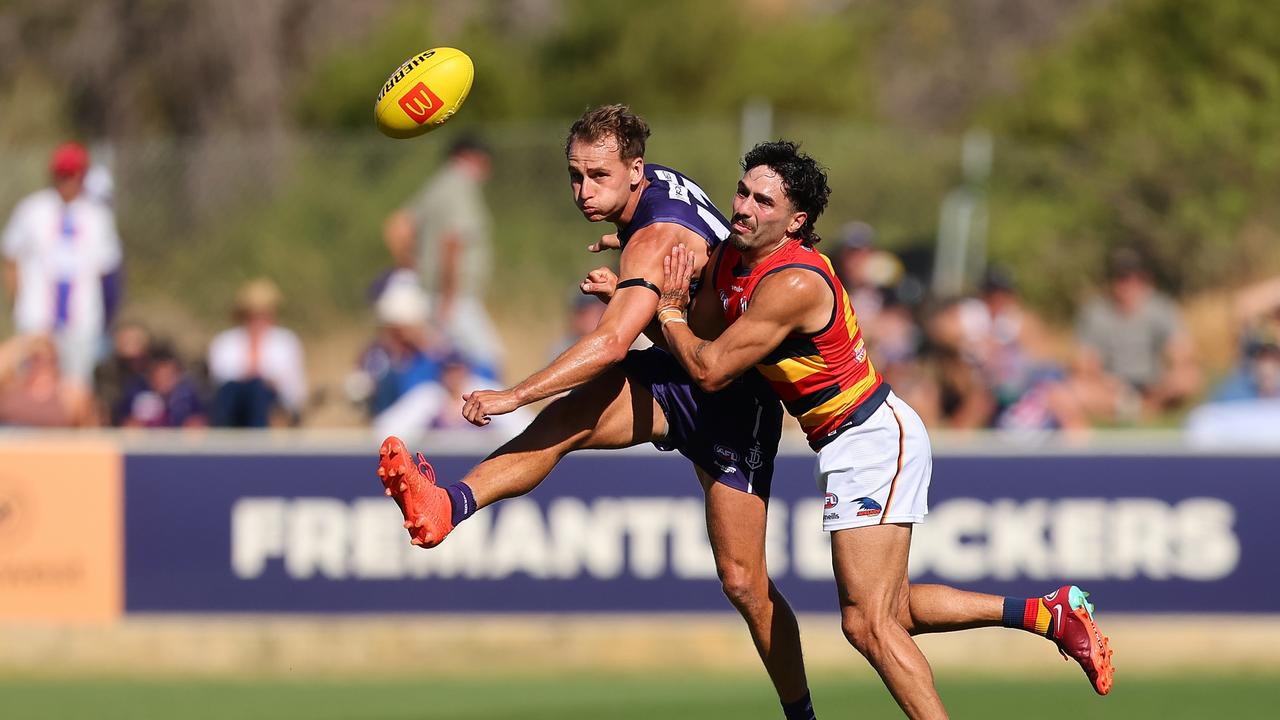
(623, 698)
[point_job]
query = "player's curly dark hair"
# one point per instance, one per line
(803, 179)
(617, 121)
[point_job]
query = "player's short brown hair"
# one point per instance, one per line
(616, 121)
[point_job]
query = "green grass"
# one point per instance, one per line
(621, 698)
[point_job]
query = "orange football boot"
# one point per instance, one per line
(1077, 636)
(428, 514)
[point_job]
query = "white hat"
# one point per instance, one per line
(403, 303)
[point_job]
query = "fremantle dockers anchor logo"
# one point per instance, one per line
(755, 457)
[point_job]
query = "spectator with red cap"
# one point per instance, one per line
(61, 263)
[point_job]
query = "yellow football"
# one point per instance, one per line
(423, 93)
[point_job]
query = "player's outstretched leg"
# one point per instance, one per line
(736, 528)
(608, 412)
(1064, 616)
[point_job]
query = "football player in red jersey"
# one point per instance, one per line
(784, 313)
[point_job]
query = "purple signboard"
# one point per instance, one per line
(617, 533)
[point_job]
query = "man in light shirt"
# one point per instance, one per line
(443, 234)
(257, 367)
(61, 264)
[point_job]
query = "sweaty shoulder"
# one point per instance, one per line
(799, 283)
(798, 293)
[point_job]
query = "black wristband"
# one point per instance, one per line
(639, 282)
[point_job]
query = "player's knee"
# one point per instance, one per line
(745, 588)
(867, 631)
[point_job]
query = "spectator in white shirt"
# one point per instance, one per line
(61, 264)
(436, 407)
(256, 368)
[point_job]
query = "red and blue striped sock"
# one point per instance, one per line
(1029, 614)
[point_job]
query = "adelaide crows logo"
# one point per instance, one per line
(870, 507)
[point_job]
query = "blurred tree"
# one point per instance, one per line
(1157, 125)
(1150, 122)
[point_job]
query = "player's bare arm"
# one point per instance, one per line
(785, 302)
(629, 311)
(704, 312)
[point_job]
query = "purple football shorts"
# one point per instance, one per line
(732, 434)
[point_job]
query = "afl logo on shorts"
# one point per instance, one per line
(420, 103)
(830, 502)
(726, 454)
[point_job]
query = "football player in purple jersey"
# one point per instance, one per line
(618, 397)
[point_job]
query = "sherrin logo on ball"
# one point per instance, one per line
(423, 93)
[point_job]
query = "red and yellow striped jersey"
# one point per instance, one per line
(825, 379)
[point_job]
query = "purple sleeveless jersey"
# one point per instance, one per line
(733, 434)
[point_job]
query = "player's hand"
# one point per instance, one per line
(606, 242)
(677, 271)
(478, 405)
(601, 282)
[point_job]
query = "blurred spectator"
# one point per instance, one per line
(866, 274)
(1245, 409)
(1258, 375)
(256, 368)
(437, 406)
(169, 398)
(584, 315)
(898, 336)
(403, 356)
(1029, 388)
(896, 349)
(123, 373)
(443, 233)
(1134, 358)
(963, 399)
(62, 262)
(33, 391)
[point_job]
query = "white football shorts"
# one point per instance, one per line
(877, 472)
